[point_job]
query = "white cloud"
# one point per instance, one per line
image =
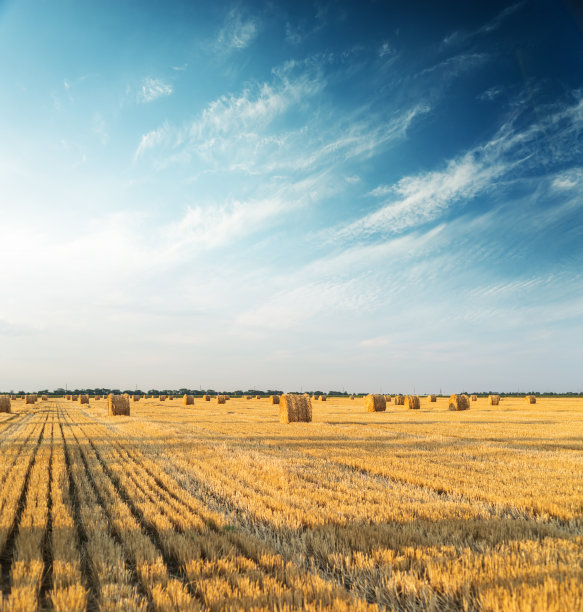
(375, 342)
(152, 139)
(214, 226)
(385, 50)
(152, 89)
(460, 36)
(569, 179)
(490, 94)
(237, 33)
(426, 196)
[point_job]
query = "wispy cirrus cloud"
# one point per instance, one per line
(153, 139)
(460, 36)
(237, 33)
(151, 89)
(425, 197)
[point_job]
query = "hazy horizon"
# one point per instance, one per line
(322, 195)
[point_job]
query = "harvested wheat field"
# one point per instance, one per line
(217, 507)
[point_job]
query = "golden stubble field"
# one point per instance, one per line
(222, 507)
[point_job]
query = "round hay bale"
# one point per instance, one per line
(459, 402)
(5, 405)
(83, 399)
(530, 399)
(74, 398)
(474, 398)
(493, 400)
(294, 408)
(221, 399)
(412, 402)
(206, 398)
(29, 399)
(188, 400)
(323, 398)
(162, 398)
(118, 405)
(399, 400)
(258, 397)
(432, 398)
(352, 397)
(375, 403)
(388, 399)
(274, 399)
(44, 398)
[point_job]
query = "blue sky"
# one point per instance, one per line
(325, 194)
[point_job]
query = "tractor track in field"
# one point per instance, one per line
(232, 539)
(7, 554)
(87, 574)
(47, 577)
(171, 563)
(129, 563)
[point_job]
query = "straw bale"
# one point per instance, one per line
(375, 403)
(206, 398)
(432, 398)
(74, 398)
(459, 402)
(412, 402)
(530, 399)
(5, 404)
(399, 400)
(493, 400)
(118, 405)
(162, 398)
(29, 399)
(136, 398)
(44, 398)
(83, 399)
(221, 399)
(294, 408)
(352, 397)
(474, 398)
(388, 399)
(274, 399)
(322, 398)
(188, 400)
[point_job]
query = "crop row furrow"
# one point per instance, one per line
(109, 575)
(25, 546)
(166, 592)
(228, 570)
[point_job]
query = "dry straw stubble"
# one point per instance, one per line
(294, 408)
(375, 403)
